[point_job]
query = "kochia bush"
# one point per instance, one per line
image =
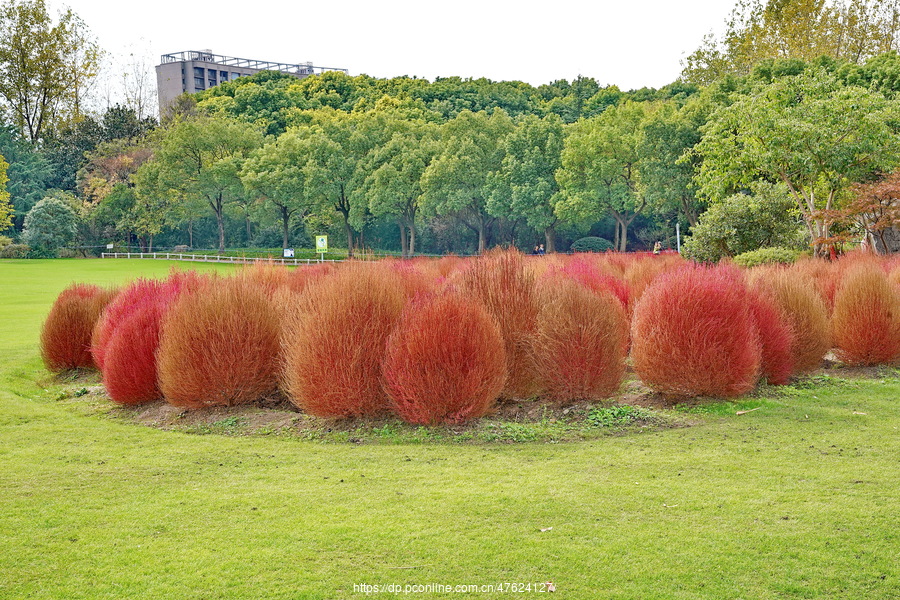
(580, 341)
(444, 362)
(693, 334)
(866, 317)
(66, 333)
(130, 374)
(219, 346)
(334, 345)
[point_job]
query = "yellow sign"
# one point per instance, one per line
(321, 243)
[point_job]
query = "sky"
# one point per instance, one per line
(630, 43)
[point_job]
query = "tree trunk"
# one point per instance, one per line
(404, 248)
(219, 209)
(247, 219)
(150, 248)
(550, 239)
(349, 231)
(191, 233)
(285, 229)
(481, 236)
(412, 240)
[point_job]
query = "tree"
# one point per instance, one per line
(202, 158)
(601, 169)
(851, 30)
(28, 173)
(394, 185)
(6, 208)
(50, 224)
(458, 181)
(809, 132)
(876, 208)
(764, 218)
(44, 66)
(525, 186)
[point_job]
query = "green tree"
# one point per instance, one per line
(45, 67)
(851, 30)
(458, 181)
(764, 218)
(525, 186)
(6, 209)
(28, 173)
(601, 169)
(394, 185)
(202, 158)
(809, 132)
(51, 224)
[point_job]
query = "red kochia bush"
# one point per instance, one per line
(66, 334)
(775, 338)
(334, 345)
(803, 309)
(219, 346)
(444, 362)
(130, 374)
(501, 283)
(693, 334)
(866, 317)
(579, 342)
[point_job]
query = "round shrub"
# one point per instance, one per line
(444, 362)
(766, 256)
(500, 281)
(694, 335)
(866, 319)
(66, 333)
(15, 251)
(219, 346)
(775, 338)
(805, 313)
(580, 342)
(591, 244)
(130, 374)
(334, 344)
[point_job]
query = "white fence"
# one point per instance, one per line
(215, 258)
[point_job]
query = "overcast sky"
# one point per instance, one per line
(630, 43)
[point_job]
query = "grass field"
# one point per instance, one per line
(798, 499)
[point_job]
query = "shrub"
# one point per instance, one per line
(50, 224)
(219, 346)
(765, 256)
(15, 251)
(641, 272)
(334, 344)
(694, 334)
(444, 362)
(592, 278)
(775, 338)
(500, 281)
(66, 333)
(5, 241)
(592, 244)
(805, 313)
(130, 374)
(866, 318)
(580, 342)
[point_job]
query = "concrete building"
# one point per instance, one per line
(195, 70)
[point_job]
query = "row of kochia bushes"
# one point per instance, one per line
(442, 340)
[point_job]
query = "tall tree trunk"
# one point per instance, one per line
(218, 207)
(404, 247)
(247, 219)
(412, 240)
(191, 233)
(150, 249)
(285, 226)
(550, 239)
(481, 236)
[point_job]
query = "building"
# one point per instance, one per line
(195, 70)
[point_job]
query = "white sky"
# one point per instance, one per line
(630, 43)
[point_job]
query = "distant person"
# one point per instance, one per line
(657, 248)
(541, 250)
(536, 251)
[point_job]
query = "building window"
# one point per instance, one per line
(199, 83)
(234, 75)
(199, 72)
(223, 76)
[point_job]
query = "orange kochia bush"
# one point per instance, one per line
(866, 317)
(694, 334)
(219, 346)
(334, 344)
(66, 333)
(444, 361)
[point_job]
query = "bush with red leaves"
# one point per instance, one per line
(334, 344)
(775, 337)
(444, 362)
(580, 342)
(129, 374)
(219, 346)
(693, 334)
(866, 317)
(66, 333)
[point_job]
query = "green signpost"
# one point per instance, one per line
(322, 245)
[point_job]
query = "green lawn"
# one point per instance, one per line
(799, 499)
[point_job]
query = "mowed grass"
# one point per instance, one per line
(798, 499)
